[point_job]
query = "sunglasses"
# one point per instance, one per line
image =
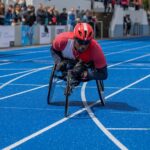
(83, 42)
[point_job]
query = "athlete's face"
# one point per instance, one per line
(81, 45)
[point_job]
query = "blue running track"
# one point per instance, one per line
(28, 123)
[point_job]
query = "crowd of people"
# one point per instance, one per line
(21, 13)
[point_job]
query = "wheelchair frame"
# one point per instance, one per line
(68, 89)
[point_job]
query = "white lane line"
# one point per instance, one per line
(116, 64)
(133, 113)
(128, 86)
(33, 52)
(7, 75)
(4, 64)
(24, 48)
(43, 86)
(128, 129)
(123, 44)
(97, 121)
(36, 109)
(136, 68)
(24, 84)
(33, 59)
(19, 77)
(130, 49)
(89, 87)
(23, 92)
(12, 74)
(25, 139)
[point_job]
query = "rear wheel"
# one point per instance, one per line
(52, 83)
(100, 88)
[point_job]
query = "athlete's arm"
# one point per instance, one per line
(100, 65)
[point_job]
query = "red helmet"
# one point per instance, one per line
(83, 31)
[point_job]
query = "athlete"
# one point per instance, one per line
(79, 46)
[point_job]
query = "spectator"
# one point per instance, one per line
(105, 5)
(137, 4)
(148, 16)
(16, 3)
(29, 17)
(63, 17)
(71, 19)
(125, 4)
(55, 19)
(41, 15)
(17, 18)
(23, 4)
(9, 15)
(85, 16)
(127, 25)
(2, 13)
(113, 2)
(49, 15)
(128, 19)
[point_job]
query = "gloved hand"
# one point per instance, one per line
(73, 80)
(84, 76)
(62, 66)
(78, 69)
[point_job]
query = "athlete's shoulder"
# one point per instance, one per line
(94, 45)
(61, 40)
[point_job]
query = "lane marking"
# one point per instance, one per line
(123, 44)
(19, 77)
(116, 64)
(33, 89)
(130, 68)
(24, 48)
(129, 129)
(126, 50)
(37, 109)
(97, 121)
(27, 138)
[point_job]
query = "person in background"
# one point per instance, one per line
(9, 15)
(71, 19)
(2, 13)
(63, 17)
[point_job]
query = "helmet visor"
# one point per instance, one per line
(83, 42)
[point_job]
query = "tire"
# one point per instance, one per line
(52, 83)
(100, 88)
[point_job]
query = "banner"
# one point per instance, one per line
(45, 34)
(7, 36)
(27, 35)
(59, 29)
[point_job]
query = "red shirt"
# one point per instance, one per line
(64, 42)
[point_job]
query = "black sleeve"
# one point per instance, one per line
(57, 55)
(98, 74)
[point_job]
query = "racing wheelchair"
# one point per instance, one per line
(67, 77)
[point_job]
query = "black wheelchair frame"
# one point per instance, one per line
(69, 88)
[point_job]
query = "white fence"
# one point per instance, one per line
(25, 35)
